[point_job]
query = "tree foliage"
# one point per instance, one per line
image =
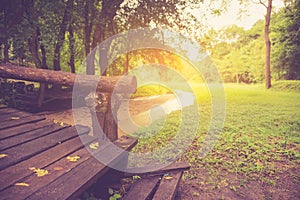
(59, 34)
(286, 41)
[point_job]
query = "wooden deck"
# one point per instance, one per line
(30, 144)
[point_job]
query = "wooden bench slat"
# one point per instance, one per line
(142, 189)
(73, 183)
(2, 106)
(10, 116)
(8, 110)
(28, 136)
(183, 166)
(15, 173)
(26, 150)
(55, 170)
(145, 188)
(13, 131)
(13, 123)
(168, 187)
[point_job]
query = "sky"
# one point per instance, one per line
(246, 20)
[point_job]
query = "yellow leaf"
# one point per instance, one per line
(168, 177)
(22, 184)
(55, 121)
(94, 145)
(61, 124)
(73, 158)
(14, 118)
(2, 155)
(39, 172)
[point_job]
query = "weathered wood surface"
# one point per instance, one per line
(159, 184)
(17, 122)
(125, 84)
(181, 166)
(143, 189)
(168, 187)
(44, 145)
(2, 106)
(20, 129)
(14, 116)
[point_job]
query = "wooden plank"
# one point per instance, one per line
(13, 116)
(12, 123)
(15, 173)
(183, 166)
(2, 106)
(168, 187)
(73, 183)
(28, 149)
(28, 136)
(7, 111)
(13, 131)
(55, 170)
(142, 189)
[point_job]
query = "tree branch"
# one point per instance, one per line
(262, 3)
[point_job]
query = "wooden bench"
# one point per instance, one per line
(30, 144)
(158, 185)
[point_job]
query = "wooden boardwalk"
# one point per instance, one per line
(43, 160)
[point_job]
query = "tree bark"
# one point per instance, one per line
(72, 49)
(89, 16)
(127, 63)
(43, 51)
(33, 48)
(61, 35)
(268, 45)
(5, 51)
(119, 84)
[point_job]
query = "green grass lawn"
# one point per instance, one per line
(260, 140)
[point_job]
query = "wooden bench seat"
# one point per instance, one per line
(30, 142)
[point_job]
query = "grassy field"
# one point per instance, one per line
(257, 155)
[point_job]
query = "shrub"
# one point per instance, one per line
(287, 85)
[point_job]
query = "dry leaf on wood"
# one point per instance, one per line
(73, 158)
(2, 155)
(94, 145)
(22, 184)
(39, 172)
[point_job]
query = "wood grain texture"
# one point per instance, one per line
(123, 84)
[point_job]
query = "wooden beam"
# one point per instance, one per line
(121, 84)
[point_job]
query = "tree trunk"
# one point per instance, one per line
(43, 51)
(61, 35)
(33, 48)
(44, 57)
(90, 62)
(125, 84)
(72, 49)
(127, 63)
(5, 51)
(89, 16)
(268, 45)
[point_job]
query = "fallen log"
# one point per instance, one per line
(106, 84)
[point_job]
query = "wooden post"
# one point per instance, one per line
(101, 109)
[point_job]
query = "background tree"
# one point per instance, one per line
(285, 38)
